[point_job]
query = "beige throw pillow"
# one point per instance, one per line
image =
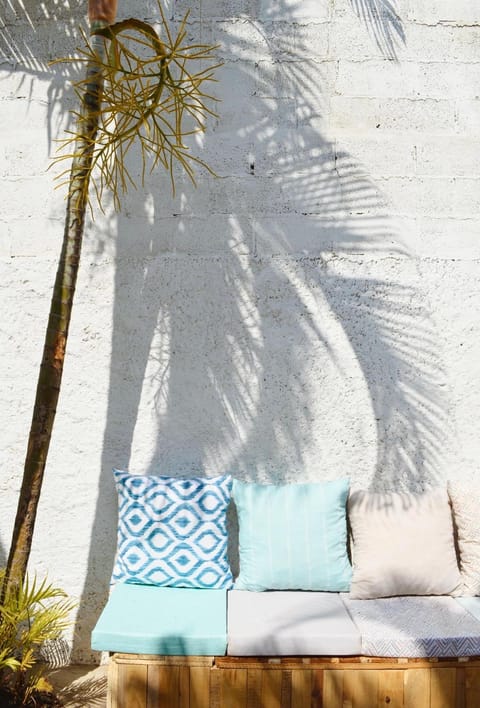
(465, 498)
(402, 544)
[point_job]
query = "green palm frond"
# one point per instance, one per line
(154, 96)
(32, 592)
(7, 661)
(32, 613)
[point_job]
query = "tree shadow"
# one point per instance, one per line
(77, 689)
(32, 35)
(383, 23)
(237, 304)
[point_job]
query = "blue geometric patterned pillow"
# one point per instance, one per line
(172, 531)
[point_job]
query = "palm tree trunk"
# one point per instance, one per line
(101, 14)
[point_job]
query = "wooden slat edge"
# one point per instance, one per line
(340, 663)
(164, 660)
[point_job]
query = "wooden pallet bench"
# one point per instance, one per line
(147, 681)
(260, 646)
(180, 648)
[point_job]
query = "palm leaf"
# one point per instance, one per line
(153, 98)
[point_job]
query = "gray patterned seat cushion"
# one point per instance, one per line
(289, 623)
(415, 627)
(471, 604)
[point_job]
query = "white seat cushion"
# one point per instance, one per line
(287, 623)
(415, 627)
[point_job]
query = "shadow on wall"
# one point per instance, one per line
(235, 304)
(268, 323)
(32, 34)
(258, 324)
(383, 23)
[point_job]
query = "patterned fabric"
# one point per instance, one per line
(471, 604)
(292, 536)
(172, 531)
(464, 498)
(415, 627)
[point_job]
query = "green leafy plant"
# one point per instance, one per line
(32, 612)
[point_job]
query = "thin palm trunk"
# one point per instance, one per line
(153, 113)
(101, 14)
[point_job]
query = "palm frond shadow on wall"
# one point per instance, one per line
(32, 35)
(229, 378)
(316, 309)
(296, 202)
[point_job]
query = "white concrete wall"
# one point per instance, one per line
(311, 313)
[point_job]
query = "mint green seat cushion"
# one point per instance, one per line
(145, 619)
(292, 536)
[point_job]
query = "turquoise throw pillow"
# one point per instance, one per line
(172, 531)
(293, 536)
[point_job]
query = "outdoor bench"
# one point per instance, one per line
(188, 648)
(402, 630)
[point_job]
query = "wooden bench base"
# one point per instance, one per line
(139, 681)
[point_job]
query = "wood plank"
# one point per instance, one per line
(199, 687)
(390, 688)
(153, 685)
(234, 688)
(472, 688)
(333, 689)
(359, 662)
(164, 659)
(216, 691)
(349, 688)
(271, 689)
(286, 689)
(163, 686)
(317, 689)
(416, 688)
(460, 697)
(184, 687)
(133, 686)
(254, 688)
(360, 689)
(301, 695)
(443, 688)
(192, 659)
(112, 684)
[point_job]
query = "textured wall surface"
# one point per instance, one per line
(312, 312)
